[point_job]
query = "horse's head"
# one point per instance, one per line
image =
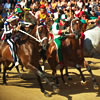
(75, 26)
(42, 33)
(30, 17)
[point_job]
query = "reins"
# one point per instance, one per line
(37, 33)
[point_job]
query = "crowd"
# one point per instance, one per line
(69, 7)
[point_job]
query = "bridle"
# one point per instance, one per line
(38, 39)
(72, 25)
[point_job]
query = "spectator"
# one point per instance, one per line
(98, 12)
(73, 3)
(29, 3)
(7, 5)
(14, 3)
(23, 3)
(63, 3)
(42, 2)
(4, 13)
(93, 13)
(9, 12)
(85, 8)
(80, 4)
(35, 6)
(54, 6)
(77, 10)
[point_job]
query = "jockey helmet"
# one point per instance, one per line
(18, 10)
(63, 17)
(42, 6)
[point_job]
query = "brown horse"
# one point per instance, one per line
(28, 16)
(72, 53)
(28, 53)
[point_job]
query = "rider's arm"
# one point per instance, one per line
(6, 28)
(55, 29)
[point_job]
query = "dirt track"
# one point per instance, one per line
(27, 88)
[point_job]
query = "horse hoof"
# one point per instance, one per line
(46, 94)
(55, 89)
(4, 84)
(83, 83)
(96, 87)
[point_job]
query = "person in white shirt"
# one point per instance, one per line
(80, 3)
(23, 3)
(7, 5)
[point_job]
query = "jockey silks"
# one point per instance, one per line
(55, 33)
(7, 37)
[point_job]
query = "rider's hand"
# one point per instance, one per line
(18, 27)
(63, 31)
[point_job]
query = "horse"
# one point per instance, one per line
(72, 53)
(92, 41)
(28, 16)
(29, 54)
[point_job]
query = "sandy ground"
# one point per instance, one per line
(27, 88)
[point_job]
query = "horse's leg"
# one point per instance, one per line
(0, 67)
(40, 74)
(22, 68)
(67, 74)
(82, 76)
(4, 74)
(55, 76)
(17, 68)
(10, 68)
(40, 83)
(93, 78)
(62, 76)
(41, 86)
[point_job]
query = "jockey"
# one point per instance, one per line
(22, 20)
(85, 17)
(10, 25)
(56, 32)
(42, 14)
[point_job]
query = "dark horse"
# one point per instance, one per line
(72, 52)
(28, 53)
